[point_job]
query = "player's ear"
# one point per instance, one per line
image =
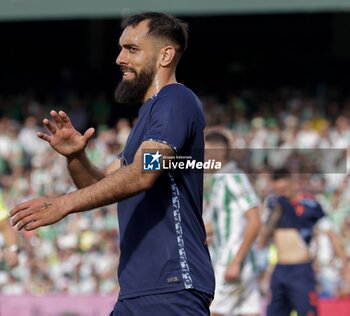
(167, 55)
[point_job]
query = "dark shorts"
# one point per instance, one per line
(292, 288)
(186, 302)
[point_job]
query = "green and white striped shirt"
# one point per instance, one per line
(231, 196)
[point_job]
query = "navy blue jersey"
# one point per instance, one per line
(301, 213)
(162, 235)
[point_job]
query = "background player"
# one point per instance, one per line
(233, 219)
(293, 216)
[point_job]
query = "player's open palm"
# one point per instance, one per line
(63, 137)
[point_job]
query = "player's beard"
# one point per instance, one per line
(133, 91)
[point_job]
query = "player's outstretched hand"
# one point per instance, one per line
(37, 212)
(63, 137)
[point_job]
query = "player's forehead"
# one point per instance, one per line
(282, 182)
(136, 35)
(216, 146)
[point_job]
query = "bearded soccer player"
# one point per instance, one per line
(165, 267)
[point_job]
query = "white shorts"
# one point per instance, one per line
(236, 298)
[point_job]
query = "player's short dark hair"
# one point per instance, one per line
(217, 137)
(281, 173)
(162, 25)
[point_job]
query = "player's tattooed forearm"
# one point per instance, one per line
(272, 222)
(46, 205)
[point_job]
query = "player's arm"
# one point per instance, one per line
(208, 210)
(268, 228)
(338, 248)
(209, 230)
(84, 173)
(250, 233)
(10, 235)
(67, 141)
(123, 183)
(10, 253)
(324, 224)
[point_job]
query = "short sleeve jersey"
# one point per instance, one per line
(301, 213)
(232, 195)
(162, 235)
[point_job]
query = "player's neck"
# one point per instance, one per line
(291, 195)
(158, 83)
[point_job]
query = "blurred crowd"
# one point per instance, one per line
(80, 253)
